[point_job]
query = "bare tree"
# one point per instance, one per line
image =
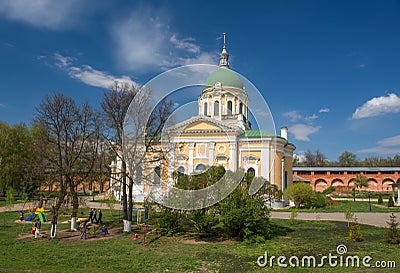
(115, 105)
(70, 146)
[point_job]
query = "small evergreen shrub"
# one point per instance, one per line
(390, 202)
(355, 231)
(329, 190)
(393, 236)
(380, 200)
(319, 200)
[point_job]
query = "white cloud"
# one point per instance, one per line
(386, 146)
(45, 13)
(185, 44)
(87, 74)
(295, 116)
(378, 106)
(145, 42)
(324, 110)
(302, 131)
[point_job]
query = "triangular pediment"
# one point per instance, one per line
(203, 124)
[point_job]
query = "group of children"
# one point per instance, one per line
(83, 228)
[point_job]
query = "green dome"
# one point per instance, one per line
(226, 77)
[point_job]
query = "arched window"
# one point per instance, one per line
(205, 109)
(181, 170)
(157, 175)
(200, 167)
(216, 108)
(229, 108)
(241, 108)
(251, 171)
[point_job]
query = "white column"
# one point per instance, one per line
(220, 108)
(211, 147)
(265, 168)
(232, 156)
(191, 154)
(283, 174)
(171, 165)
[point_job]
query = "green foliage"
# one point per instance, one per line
(380, 200)
(319, 200)
(203, 219)
(348, 214)
(244, 216)
(361, 181)
(10, 196)
(329, 190)
(293, 216)
(390, 202)
(393, 236)
(355, 231)
(170, 221)
(301, 193)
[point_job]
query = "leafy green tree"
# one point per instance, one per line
(361, 181)
(347, 159)
(301, 193)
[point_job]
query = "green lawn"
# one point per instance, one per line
(183, 254)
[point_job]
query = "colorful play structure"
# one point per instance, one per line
(39, 212)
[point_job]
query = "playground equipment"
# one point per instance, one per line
(39, 212)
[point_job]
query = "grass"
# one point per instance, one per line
(183, 254)
(358, 206)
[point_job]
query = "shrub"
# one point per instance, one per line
(244, 216)
(301, 193)
(203, 219)
(380, 200)
(390, 202)
(355, 231)
(393, 236)
(170, 221)
(329, 190)
(319, 200)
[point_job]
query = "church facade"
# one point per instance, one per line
(219, 135)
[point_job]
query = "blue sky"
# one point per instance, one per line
(329, 70)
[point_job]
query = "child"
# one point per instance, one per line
(83, 230)
(104, 230)
(38, 225)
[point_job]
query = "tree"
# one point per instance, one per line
(119, 111)
(69, 141)
(355, 231)
(115, 104)
(393, 236)
(347, 159)
(361, 181)
(317, 159)
(301, 193)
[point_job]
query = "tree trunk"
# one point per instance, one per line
(75, 205)
(124, 197)
(55, 210)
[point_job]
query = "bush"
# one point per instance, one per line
(390, 202)
(170, 221)
(380, 200)
(319, 200)
(301, 193)
(244, 216)
(329, 190)
(203, 219)
(393, 236)
(355, 231)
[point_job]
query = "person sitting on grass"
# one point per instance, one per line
(104, 230)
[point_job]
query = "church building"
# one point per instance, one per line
(221, 135)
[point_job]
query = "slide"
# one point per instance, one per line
(31, 217)
(42, 217)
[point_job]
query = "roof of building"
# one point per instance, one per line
(256, 134)
(226, 77)
(297, 178)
